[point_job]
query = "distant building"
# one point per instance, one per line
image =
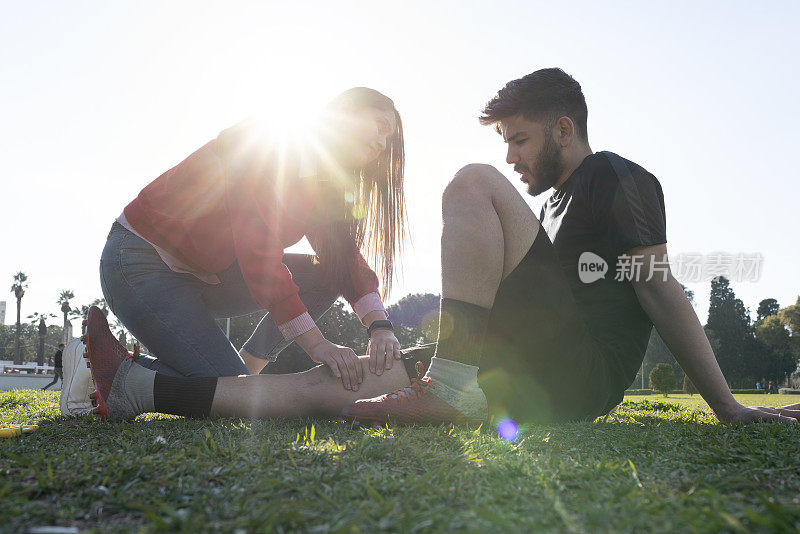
(2, 312)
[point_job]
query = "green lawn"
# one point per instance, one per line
(696, 401)
(668, 466)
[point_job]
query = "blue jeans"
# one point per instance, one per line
(174, 314)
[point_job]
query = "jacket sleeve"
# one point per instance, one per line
(255, 213)
(362, 290)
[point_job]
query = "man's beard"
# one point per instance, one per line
(548, 168)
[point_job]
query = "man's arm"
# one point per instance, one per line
(664, 301)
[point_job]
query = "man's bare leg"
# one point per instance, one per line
(137, 389)
(125, 389)
(312, 392)
(487, 230)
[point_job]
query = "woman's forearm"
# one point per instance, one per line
(310, 339)
(373, 316)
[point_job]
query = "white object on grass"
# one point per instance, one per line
(77, 383)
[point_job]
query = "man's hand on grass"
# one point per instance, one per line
(749, 414)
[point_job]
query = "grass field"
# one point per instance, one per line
(667, 466)
(696, 401)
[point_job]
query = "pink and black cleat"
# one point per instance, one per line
(104, 354)
(414, 404)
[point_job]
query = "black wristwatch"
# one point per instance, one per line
(379, 324)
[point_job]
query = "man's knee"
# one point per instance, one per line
(473, 180)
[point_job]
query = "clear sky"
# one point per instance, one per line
(99, 98)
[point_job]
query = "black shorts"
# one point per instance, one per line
(539, 363)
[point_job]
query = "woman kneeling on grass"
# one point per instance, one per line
(206, 240)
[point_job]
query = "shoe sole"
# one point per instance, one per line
(101, 409)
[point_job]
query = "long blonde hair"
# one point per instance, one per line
(375, 224)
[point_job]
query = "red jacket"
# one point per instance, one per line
(240, 197)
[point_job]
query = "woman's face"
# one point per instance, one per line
(364, 134)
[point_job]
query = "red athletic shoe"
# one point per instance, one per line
(104, 354)
(414, 404)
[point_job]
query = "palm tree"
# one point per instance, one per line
(83, 310)
(35, 317)
(40, 319)
(18, 288)
(63, 300)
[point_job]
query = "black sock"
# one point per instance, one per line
(462, 329)
(412, 355)
(189, 396)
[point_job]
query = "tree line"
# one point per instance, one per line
(748, 351)
(20, 342)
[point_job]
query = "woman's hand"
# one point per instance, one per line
(383, 350)
(342, 360)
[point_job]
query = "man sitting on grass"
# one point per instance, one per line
(524, 332)
(529, 316)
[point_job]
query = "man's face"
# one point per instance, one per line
(533, 153)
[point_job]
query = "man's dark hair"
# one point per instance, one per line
(61, 345)
(542, 96)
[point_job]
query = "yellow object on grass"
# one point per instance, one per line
(15, 430)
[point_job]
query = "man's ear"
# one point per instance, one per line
(565, 131)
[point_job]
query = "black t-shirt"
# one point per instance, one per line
(57, 358)
(608, 206)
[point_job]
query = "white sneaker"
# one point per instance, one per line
(77, 383)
